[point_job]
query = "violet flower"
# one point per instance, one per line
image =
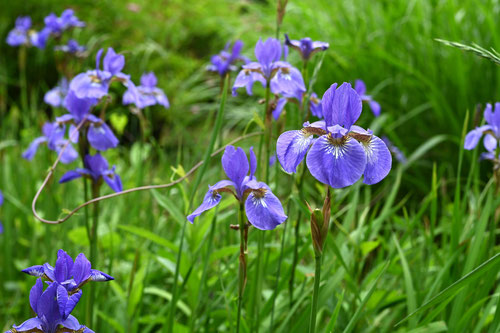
(223, 62)
(146, 94)
(306, 47)
(19, 35)
(315, 106)
(47, 307)
(283, 77)
(491, 133)
(263, 209)
(95, 83)
(53, 135)
(67, 20)
(96, 168)
(72, 47)
(56, 95)
(360, 88)
(343, 152)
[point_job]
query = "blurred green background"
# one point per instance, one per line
(425, 90)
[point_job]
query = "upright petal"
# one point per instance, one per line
(81, 269)
(253, 163)
(113, 62)
(235, 164)
(211, 199)
(149, 80)
(375, 107)
(341, 106)
(336, 162)
(264, 209)
(360, 87)
(35, 293)
(64, 265)
(268, 52)
(78, 107)
(378, 160)
(291, 148)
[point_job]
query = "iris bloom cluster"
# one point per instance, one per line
(53, 306)
(306, 46)
(72, 47)
(224, 62)
(282, 77)
(23, 34)
(263, 209)
(491, 132)
(147, 94)
(343, 151)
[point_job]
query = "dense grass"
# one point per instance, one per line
(392, 247)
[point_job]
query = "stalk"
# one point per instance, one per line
(242, 273)
(23, 85)
(93, 250)
(314, 306)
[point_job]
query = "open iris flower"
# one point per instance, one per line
(54, 136)
(47, 308)
(69, 274)
(283, 77)
(19, 35)
(360, 88)
(96, 168)
(223, 62)
(95, 83)
(146, 94)
(306, 47)
(263, 209)
(343, 152)
(56, 95)
(491, 133)
(72, 47)
(59, 24)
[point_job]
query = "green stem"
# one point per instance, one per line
(23, 85)
(314, 305)
(93, 251)
(242, 272)
(208, 152)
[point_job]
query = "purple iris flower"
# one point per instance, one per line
(306, 46)
(491, 131)
(343, 152)
(95, 83)
(19, 35)
(146, 94)
(72, 275)
(71, 46)
(360, 88)
(396, 152)
(47, 307)
(59, 24)
(53, 135)
(223, 62)
(96, 168)
(263, 209)
(56, 95)
(315, 106)
(283, 77)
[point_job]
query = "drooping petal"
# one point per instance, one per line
(375, 107)
(378, 160)
(341, 106)
(99, 276)
(264, 209)
(291, 148)
(29, 153)
(35, 293)
(72, 323)
(211, 199)
(472, 138)
(280, 105)
(101, 137)
(69, 154)
(360, 87)
(490, 143)
(336, 162)
(28, 325)
(36, 270)
(114, 181)
(70, 175)
(235, 164)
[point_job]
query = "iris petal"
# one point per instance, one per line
(472, 138)
(264, 212)
(291, 148)
(490, 143)
(341, 106)
(378, 160)
(235, 164)
(210, 200)
(338, 164)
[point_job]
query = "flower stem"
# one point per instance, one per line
(93, 251)
(242, 273)
(24, 87)
(314, 305)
